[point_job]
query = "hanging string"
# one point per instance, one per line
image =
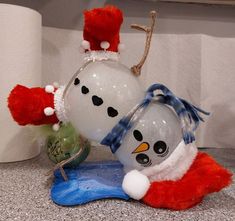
(188, 114)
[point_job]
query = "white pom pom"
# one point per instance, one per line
(49, 88)
(121, 47)
(56, 84)
(135, 184)
(48, 111)
(85, 44)
(105, 45)
(55, 127)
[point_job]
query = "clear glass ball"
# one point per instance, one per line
(100, 96)
(64, 143)
(152, 138)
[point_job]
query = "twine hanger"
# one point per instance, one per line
(136, 69)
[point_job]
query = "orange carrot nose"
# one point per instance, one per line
(141, 148)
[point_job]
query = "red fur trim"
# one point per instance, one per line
(103, 24)
(27, 105)
(204, 176)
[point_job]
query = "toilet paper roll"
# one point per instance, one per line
(20, 63)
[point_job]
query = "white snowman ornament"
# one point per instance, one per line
(151, 134)
(153, 150)
(151, 140)
(100, 96)
(102, 93)
(105, 102)
(103, 90)
(155, 140)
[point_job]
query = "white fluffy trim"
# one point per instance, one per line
(59, 104)
(175, 166)
(101, 55)
(135, 184)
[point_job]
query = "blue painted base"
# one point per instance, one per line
(88, 182)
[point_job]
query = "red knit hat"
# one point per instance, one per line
(101, 29)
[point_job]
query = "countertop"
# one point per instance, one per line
(25, 195)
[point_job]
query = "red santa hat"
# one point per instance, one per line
(101, 29)
(33, 105)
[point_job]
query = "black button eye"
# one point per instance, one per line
(97, 101)
(76, 81)
(84, 90)
(142, 158)
(160, 147)
(112, 112)
(137, 135)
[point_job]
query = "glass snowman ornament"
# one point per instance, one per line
(100, 95)
(105, 102)
(151, 140)
(64, 143)
(103, 90)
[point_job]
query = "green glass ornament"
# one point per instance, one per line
(64, 143)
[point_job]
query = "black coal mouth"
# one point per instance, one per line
(164, 154)
(147, 164)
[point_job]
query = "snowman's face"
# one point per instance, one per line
(101, 95)
(152, 139)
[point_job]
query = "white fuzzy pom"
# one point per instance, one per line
(85, 44)
(121, 47)
(48, 111)
(105, 45)
(135, 184)
(49, 88)
(55, 127)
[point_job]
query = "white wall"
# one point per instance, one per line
(199, 68)
(193, 53)
(172, 17)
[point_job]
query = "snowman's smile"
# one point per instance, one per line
(148, 164)
(143, 159)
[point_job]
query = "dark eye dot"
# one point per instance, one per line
(97, 101)
(76, 81)
(142, 158)
(84, 90)
(112, 112)
(138, 136)
(160, 147)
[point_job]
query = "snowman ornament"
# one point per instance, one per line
(151, 134)
(153, 150)
(103, 90)
(155, 144)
